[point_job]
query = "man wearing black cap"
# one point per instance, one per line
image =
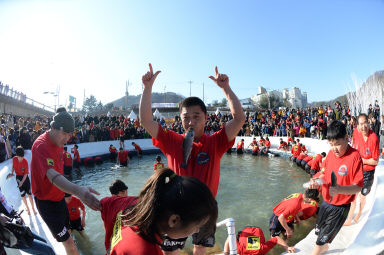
(49, 184)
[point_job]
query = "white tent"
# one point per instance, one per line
(132, 115)
(157, 114)
(217, 111)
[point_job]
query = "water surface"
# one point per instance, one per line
(249, 188)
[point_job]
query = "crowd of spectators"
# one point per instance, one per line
(309, 122)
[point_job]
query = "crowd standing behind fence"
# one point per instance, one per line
(307, 122)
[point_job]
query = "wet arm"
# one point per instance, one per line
(370, 161)
(66, 186)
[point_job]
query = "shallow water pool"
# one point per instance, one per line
(249, 188)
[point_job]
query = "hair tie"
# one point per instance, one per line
(167, 179)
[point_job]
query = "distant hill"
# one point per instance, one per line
(168, 97)
(341, 99)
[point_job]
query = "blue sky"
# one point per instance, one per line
(318, 46)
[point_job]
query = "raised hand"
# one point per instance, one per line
(149, 78)
(221, 80)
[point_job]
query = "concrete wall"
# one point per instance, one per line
(10, 105)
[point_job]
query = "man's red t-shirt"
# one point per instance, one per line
(308, 209)
(112, 149)
(21, 168)
(267, 143)
(307, 158)
(348, 170)
(254, 243)
(367, 149)
(123, 156)
(315, 163)
(204, 161)
(255, 148)
(131, 243)
(67, 158)
(240, 145)
(137, 147)
(158, 165)
(46, 155)
(76, 156)
(110, 207)
(74, 208)
(301, 156)
(295, 150)
(290, 206)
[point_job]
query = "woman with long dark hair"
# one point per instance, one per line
(168, 206)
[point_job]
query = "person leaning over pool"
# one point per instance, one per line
(49, 184)
(168, 206)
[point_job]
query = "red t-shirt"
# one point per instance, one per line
(129, 242)
(308, 158)
(67, 158)
(110, 207)
(21, 168)
(112, 149)
(254, 243)
(348, 170)
(158, 165)
(204, 161)
(308, 209)
(267, 143)
(76, 156)
(290, 206)
(367, 149)
(46, 155)
(315, 163)
(123, 156)
(74, 208)
(137, 147)
(240, 145)
(295, 151)
(301, 156)
(255, 148)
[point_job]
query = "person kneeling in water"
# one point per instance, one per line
(251, 241)
(169, 206)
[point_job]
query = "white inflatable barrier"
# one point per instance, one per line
(230, 224)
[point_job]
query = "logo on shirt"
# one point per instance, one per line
(342, 170)
(50, 162)
(367, 151)
(253, 243)
(202, 158)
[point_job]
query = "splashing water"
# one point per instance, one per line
(360, 98)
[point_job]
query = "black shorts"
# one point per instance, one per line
(303, 164)
(76, 224)
(239, 151)
(313, 172)
(121, 138)
(125, 163)
(56, 216)
(67, 170)
(275, 226)
(200, 238)
(76, 164)
(26, 187)
(307, 168)
(255, 153)
(368, 177)
(329, 222)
